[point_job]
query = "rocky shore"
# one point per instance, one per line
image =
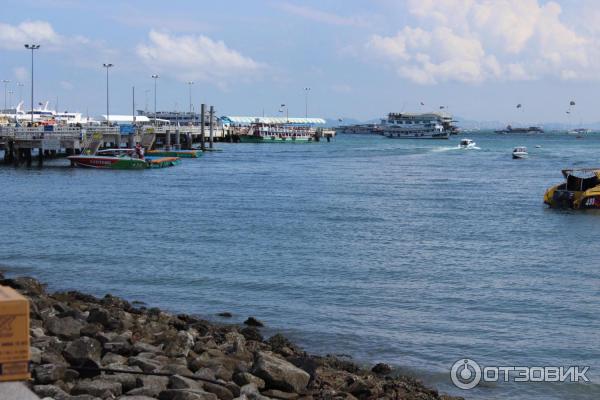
(85, 348)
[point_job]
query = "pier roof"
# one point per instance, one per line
(272, 120)
(126, 118)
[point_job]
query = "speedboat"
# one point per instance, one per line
(581, 190)
(110, 159)
(520, 152)
(466, 144)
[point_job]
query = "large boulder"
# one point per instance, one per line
(84, 351)
(65, 328)
(151, 385)
(244, 378)
(51, 391)
(279, 374)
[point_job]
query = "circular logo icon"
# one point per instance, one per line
(465, 374)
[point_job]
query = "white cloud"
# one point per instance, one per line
(478, 40)
(13, 37)
(196, 57)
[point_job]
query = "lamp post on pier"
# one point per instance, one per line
(20, 86)
(32, 47)
(155, 77)
(190, 83)
(107, 66)
(6, 82)
(10, 93)
(306, 90)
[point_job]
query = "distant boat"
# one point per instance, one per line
(110, 159)
(579, 132)
(510, 129)
(466, 144)
(434, 125)
(260, 132)
(520, 152)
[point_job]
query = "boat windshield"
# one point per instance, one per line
(582, 179)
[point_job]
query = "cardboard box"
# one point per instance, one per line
(14, 335)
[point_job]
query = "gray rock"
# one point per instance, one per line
(244, 378)
(50, 391)
(48, 373)
(278, 394)
(174, 369)
(53, 357)
(141, 347)
(98, 387)
(205, 373)
(134, 397)
(153, 385)
(146, 364)
(99, 316)
(122, 348)
(251, 321)
(279, 374)
(382, 369)
(83, 351)
(180, 382)
(36, 355)
(65, 328)
(112, 358)
(37, 332)
(221, 391)
(127, 381)
(180, 345)
(186, 394)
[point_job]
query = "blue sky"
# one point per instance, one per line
(361, 59)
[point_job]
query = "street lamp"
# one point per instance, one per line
(287, 114)
(190, 83)
(20, 85)
(32, 47)
(10, 93)
(155, 77)
(107, 66)
(306, 90)
(6, 82)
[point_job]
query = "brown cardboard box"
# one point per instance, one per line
(14, 335)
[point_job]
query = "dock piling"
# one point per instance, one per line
(210, 127)
(202, 111)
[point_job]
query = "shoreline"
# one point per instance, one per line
(79, 341)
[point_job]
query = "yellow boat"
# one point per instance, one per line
(580, 191)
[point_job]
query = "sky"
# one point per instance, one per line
(361, 59)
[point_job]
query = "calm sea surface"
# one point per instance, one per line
(409, 252)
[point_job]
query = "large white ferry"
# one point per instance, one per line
(434, 125)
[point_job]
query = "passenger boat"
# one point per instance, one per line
(581, 190)
(272, 133)
(109, 159)
(466, 144)
(510, 129)
(520, 152)
(417, 126)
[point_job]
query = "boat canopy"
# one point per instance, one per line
(119, 119)
(237, 120)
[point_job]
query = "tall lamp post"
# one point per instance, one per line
(107, 66)
(20, 85)
(6, 82)
(306, 90)
(32, 47)
(10, 93)
(190, 83)
(155, 77)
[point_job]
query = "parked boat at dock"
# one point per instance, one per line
(273, 133)
(121, 159)
(175, 153)
(581, 190)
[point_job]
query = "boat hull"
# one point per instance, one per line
(107, 162)
(518, 156)
(555, 197)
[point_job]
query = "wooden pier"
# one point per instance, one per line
(22, 145)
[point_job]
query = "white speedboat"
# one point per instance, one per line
(520, 152)
(466, 144)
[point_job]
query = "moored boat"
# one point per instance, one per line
(581, 190)
(175, 153)
(520, 152)
(110, 159)
(433, 125)
(271, 133)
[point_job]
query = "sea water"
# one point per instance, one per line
(410, 252)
